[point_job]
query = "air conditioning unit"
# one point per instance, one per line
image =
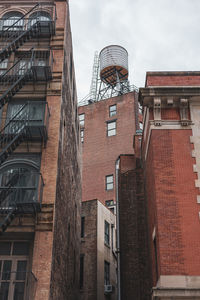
(108, 289)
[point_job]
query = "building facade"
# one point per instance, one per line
(107, 131)
(98, 252)
(170, 151)
(39, 158)
(104, 125)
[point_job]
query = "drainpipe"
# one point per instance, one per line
(117, 226)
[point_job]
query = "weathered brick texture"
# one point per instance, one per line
(172, 205)
(135, 272)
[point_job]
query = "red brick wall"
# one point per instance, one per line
(175, 79)
(172, 203)
(100, 152)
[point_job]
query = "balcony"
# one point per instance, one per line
(17, 285)
(30, 120)
(21, 190)
(16, 28)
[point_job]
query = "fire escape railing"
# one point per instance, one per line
(24, 127)
(19, 198)
(25, 29)
(27, 68)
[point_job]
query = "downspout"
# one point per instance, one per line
(117, 227)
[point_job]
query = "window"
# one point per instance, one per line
(3, 66)
(14, 258)
(109, 182)
(111, 128)
(140, 108)
(24, 180)
(106, 273)
(81, 271)
(33, 111)
(82, 135)
(112, 110)
(40, 16)
(106, 233)
(141, 125)
(12, 18)
(109, 203)
(82, 119)
(82, 227)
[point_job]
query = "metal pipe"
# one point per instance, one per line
(118, 229)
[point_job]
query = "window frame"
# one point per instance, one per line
(81, 122)
(106, 233)
(111, 130)
(112, 112)
(82, 227)
(82, 135)
(106, 272)
(108, 183)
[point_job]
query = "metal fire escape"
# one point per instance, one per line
(21, 127)
(23, 30)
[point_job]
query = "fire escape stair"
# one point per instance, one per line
(12, 145)
(10, 215)
(32, 32)
(14, 88)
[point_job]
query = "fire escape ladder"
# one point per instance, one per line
(24, 29)
(15, 78)
(14, 37)
(14, 133)
(4, 193)
(10, 215)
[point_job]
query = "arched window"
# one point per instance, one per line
(19, 183)
(14, 19)
(40, 16)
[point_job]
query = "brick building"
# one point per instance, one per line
(39, 156)
(104, 125)
(107, 131)
(170, 150)
(98, 258)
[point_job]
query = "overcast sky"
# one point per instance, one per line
(159, 35)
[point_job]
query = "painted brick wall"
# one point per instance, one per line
(172, 203)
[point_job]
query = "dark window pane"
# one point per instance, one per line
(19, 291)
(82, 226)
(5, 248)
(4, 290)
(20, 248)
(6, 270)
(21, 270)
(106, 273)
